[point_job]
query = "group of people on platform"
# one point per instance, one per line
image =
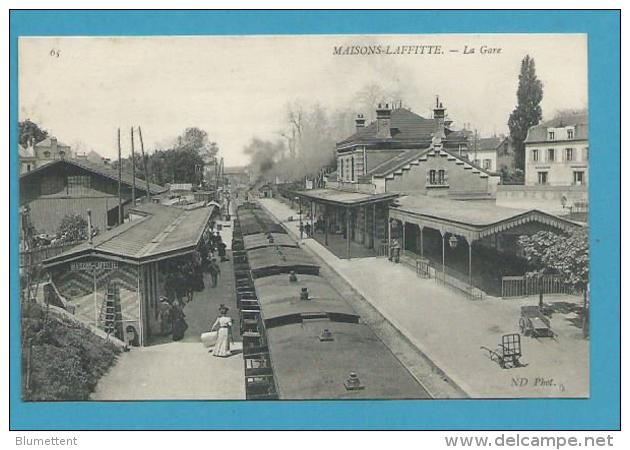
(171, 316)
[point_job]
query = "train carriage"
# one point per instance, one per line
(301, 339)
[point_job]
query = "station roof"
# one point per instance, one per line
(306, 368)
(472, 220)
(407, 129)
(159, 232)
(388, 167)
(344, 198)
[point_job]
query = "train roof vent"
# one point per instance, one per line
(304, 294)
(353, 383)
(326, 336)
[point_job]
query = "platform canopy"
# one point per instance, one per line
(471, 220)
(337, 197)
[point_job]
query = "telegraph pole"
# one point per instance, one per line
(133, 172)
(145, 165)
(120, 211)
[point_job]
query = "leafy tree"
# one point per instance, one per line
(196, 140)
(565, 255)
(528, 111)
(30, 131)
(73, 228)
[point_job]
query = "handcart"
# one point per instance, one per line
(534, 323)
(508, 354)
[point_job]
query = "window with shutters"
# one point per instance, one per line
(568, 154)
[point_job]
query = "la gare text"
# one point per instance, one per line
(366, 50)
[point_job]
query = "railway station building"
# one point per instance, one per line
(412, 180)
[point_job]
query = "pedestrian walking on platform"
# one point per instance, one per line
(215, 271)
(224, 336)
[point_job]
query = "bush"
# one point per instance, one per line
(66, 360)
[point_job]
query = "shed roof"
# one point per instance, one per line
(160, 232)
(99, 169)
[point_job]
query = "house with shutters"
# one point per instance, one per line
(494, 153)
(556, 152)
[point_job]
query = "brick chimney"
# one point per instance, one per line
(383, 121)
(360, 122)
(439, 115)
(53, 147)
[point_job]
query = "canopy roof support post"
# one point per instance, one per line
(421, 241)
(443, 233)
(348, 212)
(404, 225)
(373, 225)
(470, 264)
(389, 238)
(364, 238)
(312, 218)
(327, 225)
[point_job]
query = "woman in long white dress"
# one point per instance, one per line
(224, 336)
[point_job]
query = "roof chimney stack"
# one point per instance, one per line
(383, 121)
(439, 114)
(360, 122)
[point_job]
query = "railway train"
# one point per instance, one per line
(301, 339)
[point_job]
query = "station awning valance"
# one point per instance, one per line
(472, 220)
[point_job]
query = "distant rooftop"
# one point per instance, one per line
(538, 133)
(48, 142)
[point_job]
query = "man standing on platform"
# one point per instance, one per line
(215, 271)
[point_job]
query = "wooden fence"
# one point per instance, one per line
(39, 254)
(523, 286)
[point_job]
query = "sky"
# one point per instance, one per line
(82, 89)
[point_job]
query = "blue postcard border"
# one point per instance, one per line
(600, 411)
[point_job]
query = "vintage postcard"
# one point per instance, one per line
(304, 217)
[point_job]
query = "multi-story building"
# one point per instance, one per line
(493, 154)
(556, 152)
(50, 149)
(394, 133)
